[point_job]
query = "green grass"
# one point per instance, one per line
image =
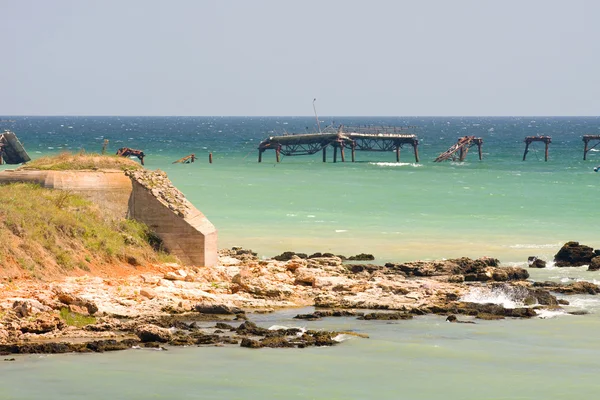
(75, 319)
(43, 228)
(81, 161)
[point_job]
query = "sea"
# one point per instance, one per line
(500, 206)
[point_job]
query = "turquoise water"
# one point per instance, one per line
(425, 358)
(501, 207)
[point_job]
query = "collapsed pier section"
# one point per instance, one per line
(353, 138)
(461, 146)
(11, 149)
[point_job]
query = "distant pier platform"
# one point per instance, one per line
(354, 138)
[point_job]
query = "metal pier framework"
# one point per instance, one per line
(595, 139)
(462, 146)
(530, 139)
(355, 138)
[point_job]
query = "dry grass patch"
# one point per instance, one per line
(81, 161)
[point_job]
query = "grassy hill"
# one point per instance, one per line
(48, 233)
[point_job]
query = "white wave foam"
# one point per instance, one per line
(278, 327)
(342, 337)
(392, 164)
(534, 246)
(341, 230)
(584, 302)
(506, 296)
(547, 314)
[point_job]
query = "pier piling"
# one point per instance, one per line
(530, 139)
(586, 140)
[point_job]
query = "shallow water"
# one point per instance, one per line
(425, 358)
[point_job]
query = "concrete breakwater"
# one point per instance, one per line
(147, 196)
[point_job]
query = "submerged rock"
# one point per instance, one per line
(570, 288)
(535, 262)
(594, 264)
(387, 316)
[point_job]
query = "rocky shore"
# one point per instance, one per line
(175, 305)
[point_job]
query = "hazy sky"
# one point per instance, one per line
(272, 57)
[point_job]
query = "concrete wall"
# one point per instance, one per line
(110, 189)
(191, 237)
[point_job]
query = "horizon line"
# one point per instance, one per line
(294, 116)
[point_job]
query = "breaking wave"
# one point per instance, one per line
(395, 164)
(506, 296)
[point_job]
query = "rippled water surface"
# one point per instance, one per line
(501, 207)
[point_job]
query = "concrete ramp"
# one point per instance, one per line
(11, 149)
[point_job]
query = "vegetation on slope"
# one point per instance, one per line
(81, 161)
(48, 233)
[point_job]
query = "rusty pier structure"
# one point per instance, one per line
(461, 147)
(355, 138)
(530, 139)
(595, 141)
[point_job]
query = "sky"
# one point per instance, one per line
(273, 57)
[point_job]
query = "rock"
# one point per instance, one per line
(358, 268)
(74, 308)
(276, 342)
(71, 299)
(217, 309)
(481, 269)
(251, 344)
(318, 262)
(307, 276)
(25, 308)
(294, 263)
(148, 293)
(362, 257)
(327, 313)
(581, 287)
(250, 328)
(386, 316)
(223, 325)
(176, 276)
(288, 255)
(153, 333)
(43, 324)
(535, 262)
(319, 255)
(594, 264)
(572, 254)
